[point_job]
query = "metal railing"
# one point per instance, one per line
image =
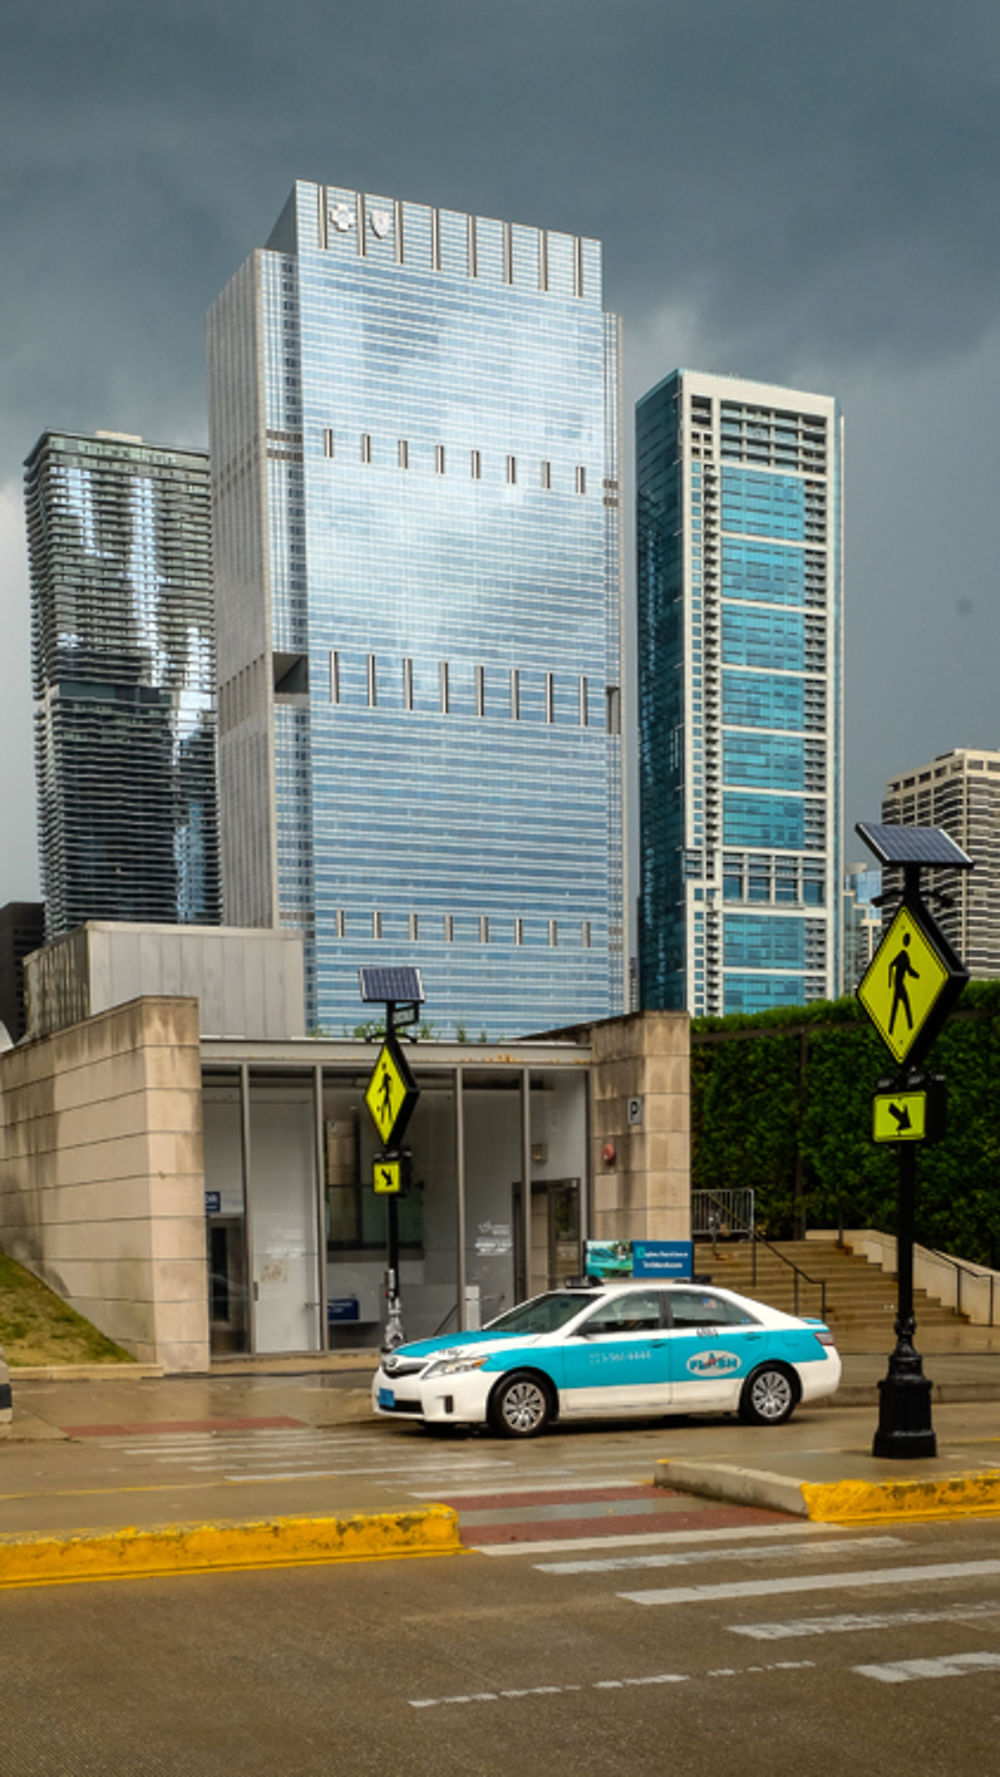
(714, 1214)
(717, 1203)
(963, 1270)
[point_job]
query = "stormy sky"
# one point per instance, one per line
(785, 190)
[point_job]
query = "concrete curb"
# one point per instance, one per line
(837, 1502)
(86, 1373)
(197, 1548)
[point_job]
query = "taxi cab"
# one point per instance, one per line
(610, 1350)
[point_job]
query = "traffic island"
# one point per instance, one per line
(973, 1493)
(197, 1548)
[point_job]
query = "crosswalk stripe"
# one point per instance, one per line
(776, 1551)
(817, 1582)
(643, 1539)
(950, 1666)
(868, 1624)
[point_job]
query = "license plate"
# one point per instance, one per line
(386, 1397)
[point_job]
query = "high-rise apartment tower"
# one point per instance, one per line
(415, 435)
(960, 792)
(119, 543)
(740, 628)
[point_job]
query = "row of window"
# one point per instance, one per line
(484, 929)
(513, 469)
(554, 704)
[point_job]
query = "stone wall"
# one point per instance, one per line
(641, 1169)
(102, 1176)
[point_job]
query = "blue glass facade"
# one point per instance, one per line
(415, 439)
(740, 623)
(123, 661)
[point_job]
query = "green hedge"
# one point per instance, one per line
(782, 1102)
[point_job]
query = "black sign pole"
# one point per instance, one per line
(904, 1410)
(394, 1334)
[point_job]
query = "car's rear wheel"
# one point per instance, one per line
(521, 1406)
(769, 1395)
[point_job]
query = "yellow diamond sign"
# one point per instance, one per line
(391, 1092)
(910, 985)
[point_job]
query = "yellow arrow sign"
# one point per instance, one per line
(387, 1175)
(391, 1092)
(899, 1116)
(903, 984)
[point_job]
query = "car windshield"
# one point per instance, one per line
(543, 1314)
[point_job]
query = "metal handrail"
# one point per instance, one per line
(963, 1269)
(757, 1238)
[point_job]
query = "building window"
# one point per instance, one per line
(519, 931)
(476, 465)
(414, 927)
(515, 693)
(553, 933)
(372, 686)
(403, 453)
(512, 471)
(581, 479)
(443, 687)
(341, 923)
(550, 698)
(480, 691)
(439, 459)
(614, 710)
(484, 928)
(328, 442)
(334, 676)
(546, 475)
(376, 925)
(584, 713)
(585, 933)
(366, 447)
(407, 684)
(449, 928)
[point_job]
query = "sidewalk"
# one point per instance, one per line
(73, 1505)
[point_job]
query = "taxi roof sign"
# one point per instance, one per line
(911, 984)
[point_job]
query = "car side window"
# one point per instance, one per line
(703, 1308)
(636, 1312)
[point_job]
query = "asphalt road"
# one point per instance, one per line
(756, 1649)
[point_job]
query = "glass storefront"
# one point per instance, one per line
(297, 1237)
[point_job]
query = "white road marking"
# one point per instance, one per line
(642, 1540)
(949, 1666)
(691, 1557)
(851, 1625)
(607, 1684)
(817, 1582)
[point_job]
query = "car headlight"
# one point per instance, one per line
(452, 1366)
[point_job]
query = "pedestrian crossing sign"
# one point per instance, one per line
(391, 1092)
(910, 984)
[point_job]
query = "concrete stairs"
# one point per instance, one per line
(860, 1298)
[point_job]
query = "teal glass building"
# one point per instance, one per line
(415, 435)
(740, 628)
(123, 667)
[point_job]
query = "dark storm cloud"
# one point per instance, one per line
(794, 191)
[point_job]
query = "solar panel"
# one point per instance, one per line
(395, 984)
(914, 845)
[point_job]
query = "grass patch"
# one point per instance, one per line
(38, 1327)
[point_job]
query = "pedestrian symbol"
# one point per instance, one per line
(909, 986)
(391, 1093)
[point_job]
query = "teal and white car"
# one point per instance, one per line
(611, 1350)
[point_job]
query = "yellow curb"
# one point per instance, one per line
(194, 1548)
(842, 1502)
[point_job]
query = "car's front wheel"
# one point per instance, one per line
(521, 1406)
(769, 1396)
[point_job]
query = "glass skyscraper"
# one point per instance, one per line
(415, 449)
(740, 628)
(119, 543)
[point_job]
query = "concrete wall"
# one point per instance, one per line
(101, 1174)
(247, 983)
(644, 1191)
